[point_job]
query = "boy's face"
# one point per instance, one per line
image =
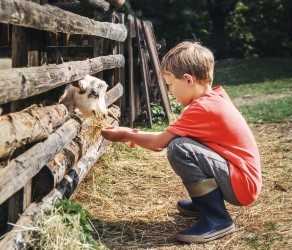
(180, 89)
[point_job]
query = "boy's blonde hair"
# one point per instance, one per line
(189, 58)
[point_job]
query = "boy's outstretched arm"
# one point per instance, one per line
(151, 140)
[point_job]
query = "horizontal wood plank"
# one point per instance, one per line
(14, 176)
(83, 4)
(50, 18)
(15, 239)
(21, 169)
(20, 83)
(50, 175)
(31, 125)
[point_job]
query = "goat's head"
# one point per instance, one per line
(90, 99)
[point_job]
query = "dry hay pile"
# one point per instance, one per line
(55, 231)
(132, 195)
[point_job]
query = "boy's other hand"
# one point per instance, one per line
(116, 134)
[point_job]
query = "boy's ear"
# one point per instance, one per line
(189, 78)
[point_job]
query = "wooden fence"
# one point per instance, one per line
(45, 45)
(51, 44)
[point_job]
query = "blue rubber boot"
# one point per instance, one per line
(215, 221)
(187, 208)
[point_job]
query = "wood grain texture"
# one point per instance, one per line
(20, 83)
(50, 18)
(14, 239)
(21, 169)
(31, 125)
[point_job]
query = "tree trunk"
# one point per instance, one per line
(219, 39)
(219, 11)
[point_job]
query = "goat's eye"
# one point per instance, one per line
(95, 93)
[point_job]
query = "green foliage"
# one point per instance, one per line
(175, 106)
(250, 28)
(240, 34)
(158, 114)
(267, 21)
(68, 208)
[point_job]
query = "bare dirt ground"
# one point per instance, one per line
(132, 195)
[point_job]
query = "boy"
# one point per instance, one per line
(210, 146)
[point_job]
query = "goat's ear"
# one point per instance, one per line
(81, 85)
(76, 84)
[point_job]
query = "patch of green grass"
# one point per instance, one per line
(252, 240)
(258, 77)
(255, 242)
(66, 226)
(67, 208)
(271, 225)
(259, 88)
(123, 151)
(241, 77)
(263, 241)
(155, 128)
(252, 70)
(268, 111)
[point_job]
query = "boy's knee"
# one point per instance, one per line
(178, 151)
(181, 144)
(174, 148)
(181, 161)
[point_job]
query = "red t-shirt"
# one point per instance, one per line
(214, 121)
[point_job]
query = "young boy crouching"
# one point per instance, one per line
(210, 146)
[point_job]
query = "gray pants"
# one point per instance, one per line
(194, 162)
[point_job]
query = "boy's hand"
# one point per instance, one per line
(116, 134)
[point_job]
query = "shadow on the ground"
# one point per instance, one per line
(141, 234)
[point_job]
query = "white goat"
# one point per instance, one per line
(86, 97)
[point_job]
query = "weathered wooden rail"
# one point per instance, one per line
(15, 175)
(38, 125)
(20, 83)
(15, 239)
(33, 138)
(33, 15)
